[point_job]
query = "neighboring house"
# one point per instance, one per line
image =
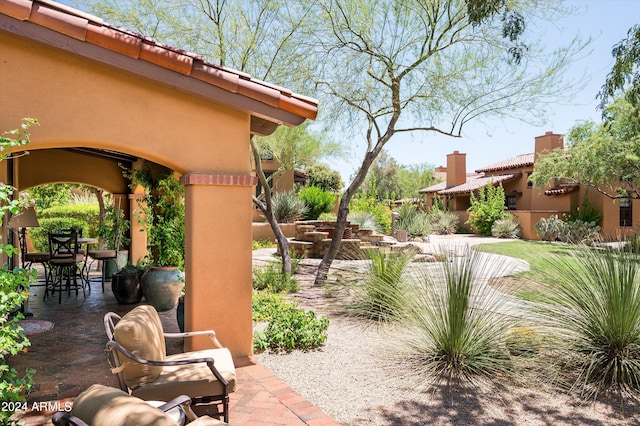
(521, 199)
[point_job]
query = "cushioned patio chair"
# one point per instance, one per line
(137, 354)
(105, 406)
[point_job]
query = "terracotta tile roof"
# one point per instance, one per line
(477, 183)
(563, 188)
(90, 29)
(434, 188)
(511, 163)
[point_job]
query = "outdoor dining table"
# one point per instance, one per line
(86, 241)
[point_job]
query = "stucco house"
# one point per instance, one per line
(104, 95)
(529, 204)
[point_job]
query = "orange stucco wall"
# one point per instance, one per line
(82, 103)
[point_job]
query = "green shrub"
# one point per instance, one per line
(509, 227)
(40, 236)
(255, 245)
(633, 243)
(317, 201)
(287, 207)
(585, 213)
(598, 318)
(578, 232)
(443, 222)
(365, 220)
(369, 205)
(289, 327)
(455, 328)
(272, 279)
(328, 217)
(416, 224)
(383, 294)
(486, 207)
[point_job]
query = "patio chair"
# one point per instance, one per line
(64, 265)
(137, 354)
(105, 406)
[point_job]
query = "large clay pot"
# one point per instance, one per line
(162, 287)
(126, 287)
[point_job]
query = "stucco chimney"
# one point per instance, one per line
(456, 169)
(548, 142)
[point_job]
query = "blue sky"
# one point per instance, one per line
(606, 21)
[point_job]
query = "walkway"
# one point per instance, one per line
(70, 357)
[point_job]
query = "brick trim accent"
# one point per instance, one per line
(223, 180)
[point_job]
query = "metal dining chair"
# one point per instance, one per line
(64, 261)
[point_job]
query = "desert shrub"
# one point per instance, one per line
(287, 207)
(383, 294)
(578, 232)
(443, 222)
(509, 227)
(585, 213)
(40, 236)
(416, 223)
(598, 319)
(548, 229)
(272, 279)
(289, 327)
(328, 217)
(633, 243)
(455, 329)
(255, 245)
(365, 220)
(381, 212)
(317, 201)
(486, 207)
(523, 341)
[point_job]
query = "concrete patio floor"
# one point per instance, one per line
(70, 357)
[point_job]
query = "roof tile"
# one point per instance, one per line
(478, 182)
(114, 40)
(511, 163)
(18, 9)
(59, 21)
(166, 58)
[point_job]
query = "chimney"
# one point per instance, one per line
(456, 169)
(548, 142)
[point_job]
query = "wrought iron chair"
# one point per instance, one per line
(64, 261)
(137, 354)
(104, 406)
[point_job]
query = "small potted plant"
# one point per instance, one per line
(125, 285)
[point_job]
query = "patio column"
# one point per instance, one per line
(218, 270)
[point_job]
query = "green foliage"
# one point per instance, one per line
(321, 176)
(413, 178)
(114, 228)
(317, 201)
(365, 220)
(287, 207)
(255, 245)
(598, 320)
(508, 227)
(369, 205)
(14, 286)
(443, 222)
(384, 294)
(625, 74)
(50, 195)
(272, 279)
(455, 328)
(578, 232)
(585, 213)
(486, 207)
(328, 217)
(40, 236)
(416, 223)
(382, 181)
(289, 327)
(163, 216)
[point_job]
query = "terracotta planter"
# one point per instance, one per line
(162, 287)
(126, 287)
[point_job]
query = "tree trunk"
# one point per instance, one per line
(265, 208)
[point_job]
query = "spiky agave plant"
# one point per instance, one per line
(456, 327)
(598, 316)
(383, 294)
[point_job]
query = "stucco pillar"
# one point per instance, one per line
(218, 270)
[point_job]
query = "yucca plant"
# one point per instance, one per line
(509, 227)
(444, 222)
(598, 318)
(288, 207)
(455, 331)
(383, 295)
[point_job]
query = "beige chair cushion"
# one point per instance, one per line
(102, 254)
(140, 332)
(193, 379)
(104, 406)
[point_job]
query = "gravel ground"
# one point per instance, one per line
(351, 379)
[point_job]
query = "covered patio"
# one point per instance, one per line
(99, 90)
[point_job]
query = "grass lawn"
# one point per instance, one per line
(530, 285)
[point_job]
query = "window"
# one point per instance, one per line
(529, 183)
(510, 201)
(626, 212)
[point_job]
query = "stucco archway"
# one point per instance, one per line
(94, 86)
